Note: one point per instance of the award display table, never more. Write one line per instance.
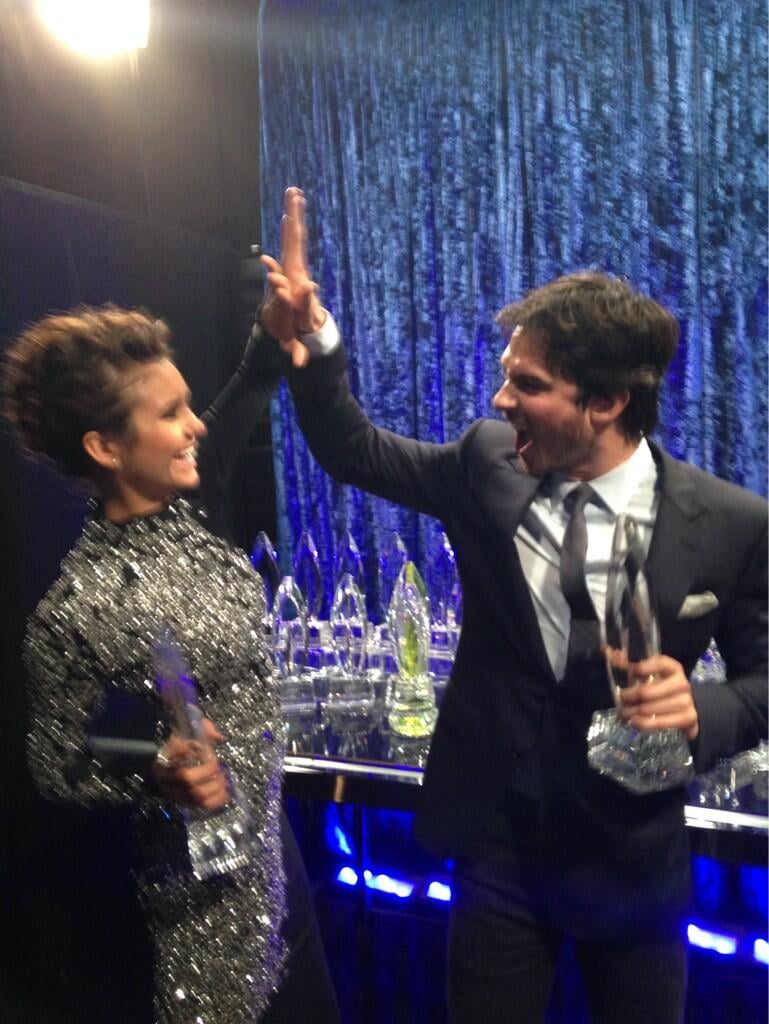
(351, 756)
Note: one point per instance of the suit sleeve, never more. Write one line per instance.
(419, 474)
(733, 716)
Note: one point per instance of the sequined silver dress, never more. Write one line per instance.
(218, 949)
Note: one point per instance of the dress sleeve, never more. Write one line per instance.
(68, 702)
(240, 405)
(231, 419)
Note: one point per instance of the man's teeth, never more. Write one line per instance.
(522, 439)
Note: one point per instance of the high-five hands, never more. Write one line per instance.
(291, 306)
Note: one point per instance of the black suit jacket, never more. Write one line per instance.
(709, 536)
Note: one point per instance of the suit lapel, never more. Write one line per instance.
(509, 494)
(671, 565)
(676, 540)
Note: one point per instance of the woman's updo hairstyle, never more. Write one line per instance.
(66, 375)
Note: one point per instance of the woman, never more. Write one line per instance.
(97, 393)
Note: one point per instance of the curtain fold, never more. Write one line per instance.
(457, 154)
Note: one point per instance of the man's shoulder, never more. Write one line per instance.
(712, 491)
(489, 438)
(487, 447)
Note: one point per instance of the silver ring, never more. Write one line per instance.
(162, 761)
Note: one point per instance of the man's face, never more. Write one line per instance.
(554, 432)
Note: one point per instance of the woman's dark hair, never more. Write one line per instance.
(605, 337)
(65, 375)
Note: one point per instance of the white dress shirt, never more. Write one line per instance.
(629, 488)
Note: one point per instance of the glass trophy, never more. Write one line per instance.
(265, 560)
(392, 557)
(289, 645)
(348, 682)
(737, 783)
(710, 667)
(641, 762)
(309, 580)
(348, 559)
(218, 842)
(413, 712)
(444, 578)
(455, 616)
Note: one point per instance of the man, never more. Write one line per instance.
(545, 846)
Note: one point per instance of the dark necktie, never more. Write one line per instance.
(585, 634)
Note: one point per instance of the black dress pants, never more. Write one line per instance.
(508, 921)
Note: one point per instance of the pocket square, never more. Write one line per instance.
(697, 605)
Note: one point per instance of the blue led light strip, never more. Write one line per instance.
(721, 942)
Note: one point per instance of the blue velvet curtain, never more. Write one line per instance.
(456, 153)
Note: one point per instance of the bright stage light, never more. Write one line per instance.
(386, 883)
(706, 938)
(98, 28)
(439, 891)
(347, 876)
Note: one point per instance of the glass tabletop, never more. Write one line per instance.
(353, 739)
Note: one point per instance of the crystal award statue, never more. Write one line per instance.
(218, 842)
(445, 579)
(413, 712)
(641, 762)
(265, 560)
(348, 559)
(309, 580)
(392, 557)
(289, 645)
(349, 684)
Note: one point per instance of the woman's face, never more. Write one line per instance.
(157, 454)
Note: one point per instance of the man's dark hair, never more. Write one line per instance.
(604, 336)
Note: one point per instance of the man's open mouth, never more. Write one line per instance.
(523, 440)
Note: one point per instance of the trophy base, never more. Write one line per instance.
(411, 751)
(349, 692)
(220, 842)
(413, 719)
(413, 724)
(413, 712)
(640, 762)
(297, 693)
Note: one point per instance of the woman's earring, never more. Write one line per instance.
(115, 462)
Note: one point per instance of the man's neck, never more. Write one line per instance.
(607, 457)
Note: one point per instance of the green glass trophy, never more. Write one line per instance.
(413, 712)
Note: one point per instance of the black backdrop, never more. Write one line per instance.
(60, 886)
(168, 141)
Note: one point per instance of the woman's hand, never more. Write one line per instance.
(188, 773)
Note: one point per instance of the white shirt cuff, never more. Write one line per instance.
(324, 341)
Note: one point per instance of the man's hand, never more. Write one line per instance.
(188, 773)
(659, 695)
(291, 306)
